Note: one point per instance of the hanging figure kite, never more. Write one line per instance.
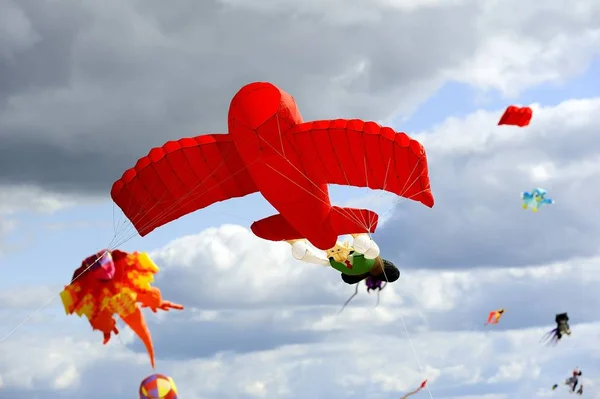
(423, 385)
(562, 328)
(535, 199)
(494, 317)
(270, 150)
(572, 382)
(357, 262)
(113, 283)
(516, 116)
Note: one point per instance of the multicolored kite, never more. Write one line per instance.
(158, 386)
(113, 283)
(535, 199)
(494, 317)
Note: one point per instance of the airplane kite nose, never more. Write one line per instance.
(255, 103)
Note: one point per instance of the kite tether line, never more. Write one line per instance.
(368, 228)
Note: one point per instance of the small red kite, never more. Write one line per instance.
(423, 384)
(516, 116)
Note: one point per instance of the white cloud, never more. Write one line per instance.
(513, 50)
(541, 43)
(309, 352)
(17, 31)
(259, 324)
(479, 169)
(249, 303)
(378, 201)
(515, 370)
(16, 200)
(31, 198)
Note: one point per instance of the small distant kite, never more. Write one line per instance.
(562, 328)
(535, 199)
(516, 116)
(494, 316)
(423, 384)
(572, 382)
(190, 174)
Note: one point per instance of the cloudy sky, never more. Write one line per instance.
(86, 88)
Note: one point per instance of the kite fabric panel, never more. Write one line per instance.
(516, 116)
(364, 154)
(179, 178)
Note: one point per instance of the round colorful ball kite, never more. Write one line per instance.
(158, 386)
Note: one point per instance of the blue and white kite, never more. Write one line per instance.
(535, 199)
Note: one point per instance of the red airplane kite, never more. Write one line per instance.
(271, 150)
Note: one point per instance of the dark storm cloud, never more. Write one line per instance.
(95, 86)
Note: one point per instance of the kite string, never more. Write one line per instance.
(366, 225)
(404, 189)
(183, 201)
(414, 353)
(408, 336)
(114, 242)
(24, 321)
(131, 229)
(126, 238)
(416, 356)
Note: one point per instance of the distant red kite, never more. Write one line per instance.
(516, 116)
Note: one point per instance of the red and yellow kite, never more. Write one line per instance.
(494, 316)
(113, 283)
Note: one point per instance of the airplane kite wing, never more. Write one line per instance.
(364, 154)
(179, 178)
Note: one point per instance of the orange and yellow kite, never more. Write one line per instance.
(113, 283)
(494, 316)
